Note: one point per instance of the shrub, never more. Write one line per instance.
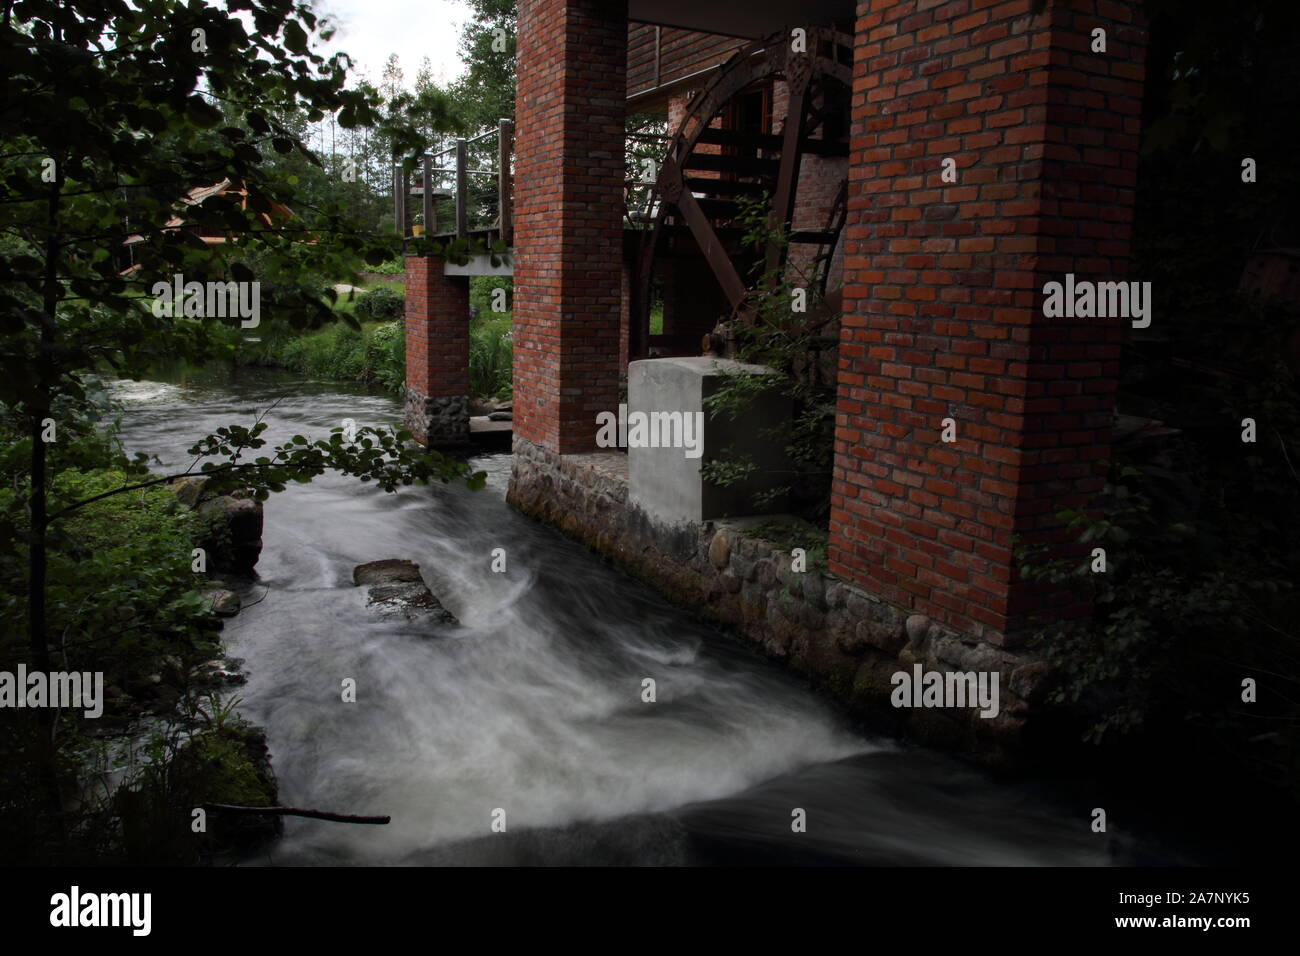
(380, 304)
(375, 355)
(480, 294)
(1198, 587)
(490, 357)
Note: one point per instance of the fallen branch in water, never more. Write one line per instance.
(295, 812)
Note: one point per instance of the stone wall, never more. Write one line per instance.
(437, 420)
(845, 640)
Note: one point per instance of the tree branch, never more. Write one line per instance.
(295, 812)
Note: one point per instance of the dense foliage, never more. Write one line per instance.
(113, 113)
(374, 354)
(1198, 525)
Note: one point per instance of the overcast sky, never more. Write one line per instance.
(369, 30)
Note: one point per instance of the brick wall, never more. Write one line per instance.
(437, 329)
(568, 212)
(943, 295)
(437, 352)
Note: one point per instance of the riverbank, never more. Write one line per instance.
(138, 585)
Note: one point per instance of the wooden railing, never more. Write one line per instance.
(432, 170)
(444, 177)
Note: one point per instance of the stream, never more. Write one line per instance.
(533, 705)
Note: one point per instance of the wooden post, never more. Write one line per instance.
(505, 146)
(655, 84)
(399, 220)
(462, 217)
(430, 217)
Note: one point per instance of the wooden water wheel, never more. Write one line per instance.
(715, 159)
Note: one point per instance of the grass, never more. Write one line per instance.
(491, 356)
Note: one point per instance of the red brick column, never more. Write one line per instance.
(437, 353)
(572, 57)
(943, 295)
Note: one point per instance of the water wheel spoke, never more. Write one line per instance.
(723, 153)
(791, 155)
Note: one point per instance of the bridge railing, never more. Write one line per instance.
(445, 176)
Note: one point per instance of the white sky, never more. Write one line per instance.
(369, 30)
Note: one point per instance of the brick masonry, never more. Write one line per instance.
(569, 171)
(943, 304)
(437, 353)
(942, 319)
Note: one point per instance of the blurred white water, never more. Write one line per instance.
(533, 704)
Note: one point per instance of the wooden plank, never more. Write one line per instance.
(735, 137)
(462, 205)
(714, 251)
(658, 54)
(743, 165)
(430, 217)
(724, 187)
(786, 181)
(720, 208)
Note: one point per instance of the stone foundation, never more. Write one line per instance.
(437, 420)
(844, 639)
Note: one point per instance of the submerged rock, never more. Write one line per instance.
(397, 587)
(388, 571)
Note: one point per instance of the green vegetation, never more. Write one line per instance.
(374, 354)
(795, 345)
(118, 568)
(1198, 526)
(121, 596)
(790, 533)
(181, 766)
(490, 351)
(380, 304)
(490, 357)
(393, 267)
(96, 564)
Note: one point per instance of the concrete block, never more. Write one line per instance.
(663, 481)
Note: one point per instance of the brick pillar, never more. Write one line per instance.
(572, 60)
(437, 354)
(944, 303)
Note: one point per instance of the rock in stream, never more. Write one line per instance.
(397, 587)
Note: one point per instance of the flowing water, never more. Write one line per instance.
(532, 706)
